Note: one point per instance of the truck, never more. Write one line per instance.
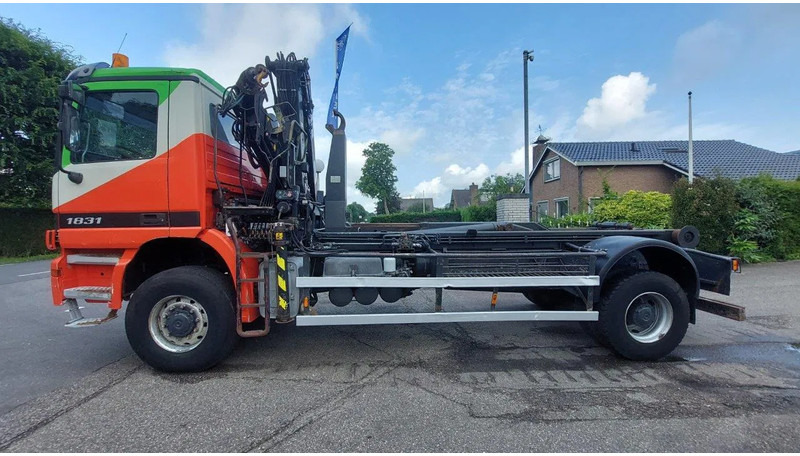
(199, 208)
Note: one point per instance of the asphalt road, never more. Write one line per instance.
(453, 387)
(37, 353)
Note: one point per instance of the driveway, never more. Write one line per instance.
(730, 386)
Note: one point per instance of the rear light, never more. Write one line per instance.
(51, 239)
(735, 266)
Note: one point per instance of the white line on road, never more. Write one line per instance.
(33, 273)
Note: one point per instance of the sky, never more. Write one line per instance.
(442, 84)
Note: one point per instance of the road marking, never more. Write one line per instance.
(33, 273)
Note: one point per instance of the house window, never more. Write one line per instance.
(552, 169)
(541, 209)
(562, 207)
(592, 202)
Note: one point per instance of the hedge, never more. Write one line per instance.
(412, 217)
(486, 213)
(642, 209)
(757, 218)
(777, 209)
(711, 206)
(22, 231)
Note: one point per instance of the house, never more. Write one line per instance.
(465, 197)
(417, 204)
(794, 152)
(568, 177)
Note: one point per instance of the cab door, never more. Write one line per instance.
(118, 145)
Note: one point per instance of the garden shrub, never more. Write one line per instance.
(710, 205)
(485, 213)
(22, 231)
(642, 209)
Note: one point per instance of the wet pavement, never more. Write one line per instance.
(730, 386)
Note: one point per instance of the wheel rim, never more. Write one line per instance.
(178, 324)
(648, 317)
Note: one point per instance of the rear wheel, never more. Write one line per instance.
(182, 319)
(643, 316)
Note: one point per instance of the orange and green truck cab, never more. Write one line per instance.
(142, 143)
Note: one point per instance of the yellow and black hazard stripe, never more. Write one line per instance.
(283, 290)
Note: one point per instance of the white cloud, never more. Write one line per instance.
(235, 37)
(704, 50)
(514, 164)
(622, 100)
(453, 177)
(544, 83)
(355, 161)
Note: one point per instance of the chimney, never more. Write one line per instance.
(540, 147)
(473, 194)
(633, 147)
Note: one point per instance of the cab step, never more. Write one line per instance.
(88, 293)
(77, 320)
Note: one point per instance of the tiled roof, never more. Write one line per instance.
(794, 152)
(460, 198)
(728, 157)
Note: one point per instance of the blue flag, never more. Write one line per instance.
(341, 45)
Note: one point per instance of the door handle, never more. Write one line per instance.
(153, 219)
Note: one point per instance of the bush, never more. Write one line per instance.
(711, 206)
(487, 213)
(756, 219)
(413, 217)
(642, 209)
(776, 208)
(22, 231)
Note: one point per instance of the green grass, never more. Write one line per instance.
(12, 260)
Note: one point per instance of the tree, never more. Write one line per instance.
(378, 178)
(31, 67)
(391, 206)
(495, 185)
(356, 213)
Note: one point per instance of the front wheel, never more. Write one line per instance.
(182, 319)
(643, 316)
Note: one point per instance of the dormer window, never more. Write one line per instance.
(552, 169)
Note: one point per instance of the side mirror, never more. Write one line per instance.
(72, 92)
(68, 118)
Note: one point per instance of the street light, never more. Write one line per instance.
(527, 56)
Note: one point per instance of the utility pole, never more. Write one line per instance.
(527, 56)
(691, 152)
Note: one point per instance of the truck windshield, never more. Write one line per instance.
(115, 126)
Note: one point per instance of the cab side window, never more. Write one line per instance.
(222, 127)
(116, 126)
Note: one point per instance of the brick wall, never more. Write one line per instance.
(650, 178)
(567, 186)
(512, 208)
(621, 179)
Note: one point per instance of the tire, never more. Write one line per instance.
(644, 316)
(198, 305)
(551, 299)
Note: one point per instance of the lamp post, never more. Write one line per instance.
(690, 151)
(527, 56)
